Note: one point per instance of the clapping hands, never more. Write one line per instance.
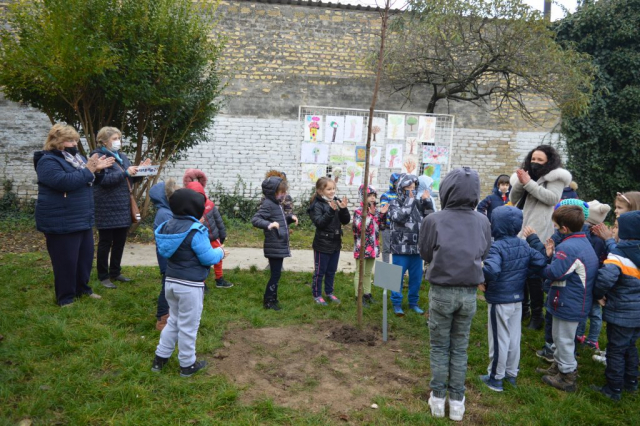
(97, 162)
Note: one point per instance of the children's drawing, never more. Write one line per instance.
(353, 129)
(393, 157)
(314, 153)
(435, 154)
(411, 147)
(313, 172)
(434, 172)
(336, 173)
(334, 129)
(410, 164)
(373, 176)
(353, 174)
(339, 154)
(361, 153)
(396, 127)
(374, 156)
(412, 120)
(312, 128)
(377, 130)
(427, 129)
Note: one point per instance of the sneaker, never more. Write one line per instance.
(107, 283)
(493, 384)
(222, 283)
(369, 299)
(546, 353)
(592, 345)
(436, 405)
(511, 380)
(614, 395)
(602, 358)
(273, 304)
(456, 410)
(320, 301)
(365, 302)
(95, 296)
(398, 310)
(158, 364)
(631, 387)
(333, 299)
(416, 309)
(581, 339)
(121, 278)
(192, 369)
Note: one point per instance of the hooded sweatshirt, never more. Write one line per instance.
(494, 200)
(159, 199)
(406, 214)
(455, 240)
(184, 240)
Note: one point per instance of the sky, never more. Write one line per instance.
(556, 11)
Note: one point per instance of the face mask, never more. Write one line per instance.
(408, 192)
(71, 150)
(116, 145)
(536, 168)
(327, 199)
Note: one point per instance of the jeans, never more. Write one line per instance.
(451, 310)
(271, 291)
(413, 263)
(622, 356)
(386, 244)
(595, 316)
(326, 265)
(110, 240)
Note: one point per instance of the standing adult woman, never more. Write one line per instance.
(113, 206)
(64, 210)
(536, 188)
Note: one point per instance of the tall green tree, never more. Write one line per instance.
(148, 67)
(603, 146)
(494, 53)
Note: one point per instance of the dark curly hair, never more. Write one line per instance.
(553, 160)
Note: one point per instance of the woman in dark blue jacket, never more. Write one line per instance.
(64, 210)
(113, 206)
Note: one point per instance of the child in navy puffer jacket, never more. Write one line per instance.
(506, 268)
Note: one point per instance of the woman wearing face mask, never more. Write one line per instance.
(536, 188)
(113, 206)
(64, 210)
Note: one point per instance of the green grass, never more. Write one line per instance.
(90, 363)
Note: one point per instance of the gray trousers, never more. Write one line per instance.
(564, 334)
(185, 310)
(504, 339)
(451, 310)
(386, 244)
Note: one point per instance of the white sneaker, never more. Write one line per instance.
(456, 410)
(436, 405)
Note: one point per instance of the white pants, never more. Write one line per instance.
(504, 339)
(185, 310)
(564, 335)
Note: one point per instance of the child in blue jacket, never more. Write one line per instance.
(184, 241)
(506, 268)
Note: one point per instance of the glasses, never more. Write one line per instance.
(621, 195)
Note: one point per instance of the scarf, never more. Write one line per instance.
(75, 160)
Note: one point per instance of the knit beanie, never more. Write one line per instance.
(575, 202)
(597, 212)
(187, 202)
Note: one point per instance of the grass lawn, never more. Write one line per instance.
(90, 363)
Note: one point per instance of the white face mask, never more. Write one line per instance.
(116, 145)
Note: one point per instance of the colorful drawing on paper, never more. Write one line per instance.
(412, 125)
(410, 164)
(361, 153)
(373, 176)
(339, 154)
(427, 129)
(435, 154)
(378, 127)
(412, 146)
(393, 156)
(312, 128)
(396, 127)
(374, 156)
(314, 153)
(336, 173)
(353, 173)
(353, 128)
(313, 172)
(434, 172)
(334, 129)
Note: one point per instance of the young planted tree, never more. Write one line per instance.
(148, 67)
(494, 54)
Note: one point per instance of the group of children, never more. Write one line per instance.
(585, 267)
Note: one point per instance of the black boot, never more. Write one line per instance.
(537, 302)
(526, 305)
(272, 304)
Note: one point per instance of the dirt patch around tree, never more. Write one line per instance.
(328, 365)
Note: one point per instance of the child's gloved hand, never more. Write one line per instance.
(273, 225)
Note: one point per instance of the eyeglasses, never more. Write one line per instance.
(620, 194)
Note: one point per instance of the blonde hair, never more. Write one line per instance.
(321, 184)
(105, 134)
(631, 199)
(59, 134)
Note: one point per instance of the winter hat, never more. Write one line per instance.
(275, 173)
(194, 174)
(370, 190)
(574, 202)
(629, 225)
(424, 183)
(597, 212)
(187, 202)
